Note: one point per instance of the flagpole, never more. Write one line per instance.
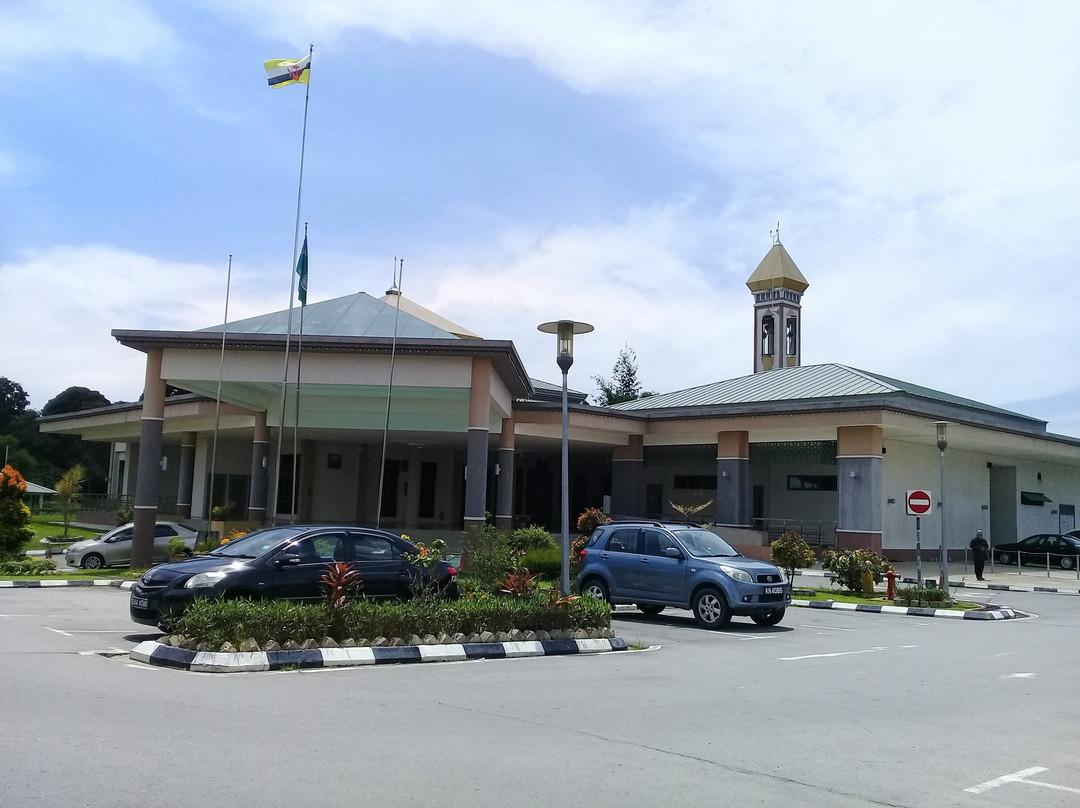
(217, 406)
(288, 328)
(299, 359)
(399, 270)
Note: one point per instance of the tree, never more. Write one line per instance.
(14, 514)
(623, 384)
(75, 399)
(68, 492)
(13, 402)
(791, 552)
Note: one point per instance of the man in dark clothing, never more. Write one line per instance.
(978, 553)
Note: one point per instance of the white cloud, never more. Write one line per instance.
(70, 298)
(111, 30)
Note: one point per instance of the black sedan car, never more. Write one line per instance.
(284, 563)
(1062, 551)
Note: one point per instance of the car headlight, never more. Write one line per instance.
(737, 574)
(204, 579)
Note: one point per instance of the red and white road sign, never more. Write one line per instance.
(919, 502)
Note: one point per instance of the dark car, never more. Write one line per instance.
(658, 564)
(1062, 551)
(284, 563)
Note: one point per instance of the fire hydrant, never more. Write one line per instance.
(891, 576)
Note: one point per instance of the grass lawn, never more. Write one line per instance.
(49, 525)
(78, 575)
(839, 596)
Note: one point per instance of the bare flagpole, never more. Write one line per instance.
(399, 270)
(292, 292)
(217, 405)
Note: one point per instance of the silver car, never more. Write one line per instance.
(113, 549)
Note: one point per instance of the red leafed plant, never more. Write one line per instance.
(556, 599)
(341, 582)
(521, 584)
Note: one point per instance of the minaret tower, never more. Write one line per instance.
(777, 285)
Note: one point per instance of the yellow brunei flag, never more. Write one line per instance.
(280, 72)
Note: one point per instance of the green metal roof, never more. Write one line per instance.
(358, 315)
(802, 383)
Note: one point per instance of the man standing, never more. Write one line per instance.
(979, 547)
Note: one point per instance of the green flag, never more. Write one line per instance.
(301, 270)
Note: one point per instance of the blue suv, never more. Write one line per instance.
(658, 564)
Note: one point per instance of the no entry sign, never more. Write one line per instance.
(919, 502)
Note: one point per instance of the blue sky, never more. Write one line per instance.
(616, 163)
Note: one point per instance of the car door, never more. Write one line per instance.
(162, 534)
(661, 577)
(301, 579)
(384, 573)
(1033, 550)
(622, 560)
(117, 548)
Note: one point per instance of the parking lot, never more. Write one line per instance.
(826, 709)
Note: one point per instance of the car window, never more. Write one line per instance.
(372, 548)
(321, 549)
(122, 535)
(623, 540)
(705, 544)
(1033, 544)
(164, 532)
(655, 542)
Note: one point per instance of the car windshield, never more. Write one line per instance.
(255, 544)
(703, 544)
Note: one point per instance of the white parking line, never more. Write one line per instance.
(58, 631)
(1020, 777)
(830, 628)
(837, 654)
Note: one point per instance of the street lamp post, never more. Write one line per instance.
(944, 554)
(565, 330)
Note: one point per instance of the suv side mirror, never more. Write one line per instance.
(673, 552)
(288, 559)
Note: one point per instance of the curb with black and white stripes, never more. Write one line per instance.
(45, 583)
(912, 611)
(1055, 590)
(154, 653)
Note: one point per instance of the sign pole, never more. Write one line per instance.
(918, 552)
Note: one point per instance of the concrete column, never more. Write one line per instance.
(734, 500)
(146, 485)
(187, 476)
(859, 486)
(260, 469)
(412, 490)
(504, 497)
(477, 447)
(628, 478)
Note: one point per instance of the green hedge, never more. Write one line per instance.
(27, 566)
(219, 621)
(544, 561)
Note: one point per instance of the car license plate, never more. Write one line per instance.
(139, 603)
(774, 590)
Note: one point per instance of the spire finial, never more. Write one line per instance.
(775, 234)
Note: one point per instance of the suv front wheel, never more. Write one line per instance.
(711, 608)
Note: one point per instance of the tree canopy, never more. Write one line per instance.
(623, 384)
(75, 399)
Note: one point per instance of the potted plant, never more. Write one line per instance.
(218, 516)
(177, 548)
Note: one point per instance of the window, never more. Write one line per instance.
(791, 337)
(372, 548)
(811, 482)
(768, 328)
(164, 532)
(654, 542)
(623, 541)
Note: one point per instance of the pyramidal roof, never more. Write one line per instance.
(777, 269)
(358, 315)
(427, 315)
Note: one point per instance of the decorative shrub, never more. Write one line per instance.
(341, 583)
(27, 566)
(929, 596)
(220, 621)
(545, 561)
(532, 537)
(491, 560)
(177, 546)
(124, 515)
(14, 514)
(791, 552)
(590, 520)
(850, 566)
